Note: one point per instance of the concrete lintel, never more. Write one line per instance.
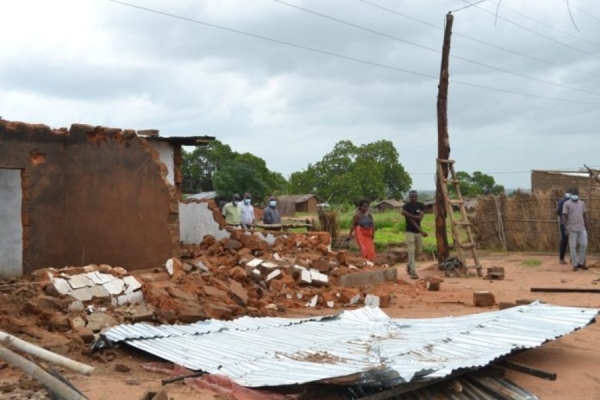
(370, 278)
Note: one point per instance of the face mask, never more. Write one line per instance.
(234, 202)
(574, 197)
(247, 201)
(272, 203)
(568, 195)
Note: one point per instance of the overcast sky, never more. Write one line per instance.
(103, 63)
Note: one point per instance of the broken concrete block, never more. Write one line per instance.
(131, 284)
(256, 273)
(269, 265)
(82, 294)
(370, 278)
(372, 300)
(271, 306)
(277, 257)
(313, 301)
(115, 287)
(299, 268)
(142, 313)
(76, 306)
(483, 298)
(79, 281)
(76, 322)
(305, 277)
(330, 303)
(273, 275)
(318, 279)
(299, 296)
(254, 263)
(61, 285)
(99, 291)
(131, 298)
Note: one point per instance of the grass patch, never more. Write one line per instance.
(531, 262)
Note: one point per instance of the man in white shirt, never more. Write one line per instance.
(575, 221)
(247, 211)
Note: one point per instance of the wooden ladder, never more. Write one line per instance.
(464, 221)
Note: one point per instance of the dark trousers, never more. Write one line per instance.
(564, 242)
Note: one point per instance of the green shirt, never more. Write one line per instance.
(232, 214)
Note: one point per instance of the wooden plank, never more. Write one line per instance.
(539, 373)
(564, 290)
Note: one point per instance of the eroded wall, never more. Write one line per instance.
(11, 228)
(91, 195)
(197, 220)
(166, 155)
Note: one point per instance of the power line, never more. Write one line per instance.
(434, 50)
(536, 33)
(548, 25)
(479, 40)
(575, 169)
(348, 58)
(586, 13)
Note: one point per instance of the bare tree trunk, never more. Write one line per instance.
(443, 145)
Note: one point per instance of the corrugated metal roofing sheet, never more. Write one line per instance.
(377, 350)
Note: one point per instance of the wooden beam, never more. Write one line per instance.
(564, 290)
(539, 373)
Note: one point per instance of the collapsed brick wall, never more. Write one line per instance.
(91, 195)
(543, 181)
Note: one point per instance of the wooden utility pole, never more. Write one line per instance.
(443, 145)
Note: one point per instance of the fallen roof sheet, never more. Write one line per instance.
(359, 347)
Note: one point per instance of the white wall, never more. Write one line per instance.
(195, 221)
(167, 157)
(11, 227)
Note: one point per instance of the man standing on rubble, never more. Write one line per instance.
(564, 238)
(247, 212)
(233, 212)
(575, 221)
(413, 214)
(270, 213)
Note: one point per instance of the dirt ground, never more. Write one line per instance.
(575, 358)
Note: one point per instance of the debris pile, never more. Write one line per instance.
(93, 281)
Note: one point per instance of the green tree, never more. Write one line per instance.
(238, 177)
(476, 184)
(350, 172)
(200, 165)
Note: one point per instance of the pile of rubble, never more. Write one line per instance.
(252, 274)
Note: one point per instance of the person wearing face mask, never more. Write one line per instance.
(247, 212)
(575, 221)
(233, 212)
(564, 239)
(270, 213)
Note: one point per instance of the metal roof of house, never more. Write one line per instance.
(203, 195)
(393, 203)
(362, 347)
(181, 140)
(295, 198)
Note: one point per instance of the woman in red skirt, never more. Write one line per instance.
(363, 227)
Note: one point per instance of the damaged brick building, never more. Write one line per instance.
(90, 195)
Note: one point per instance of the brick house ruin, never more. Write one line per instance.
(558, 180)
(93, 195)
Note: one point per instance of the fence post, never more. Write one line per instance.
(501, 234)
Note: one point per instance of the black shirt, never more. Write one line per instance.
(561, 203)
(413, 209)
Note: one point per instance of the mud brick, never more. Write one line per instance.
(238, 293)
(483, 298)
